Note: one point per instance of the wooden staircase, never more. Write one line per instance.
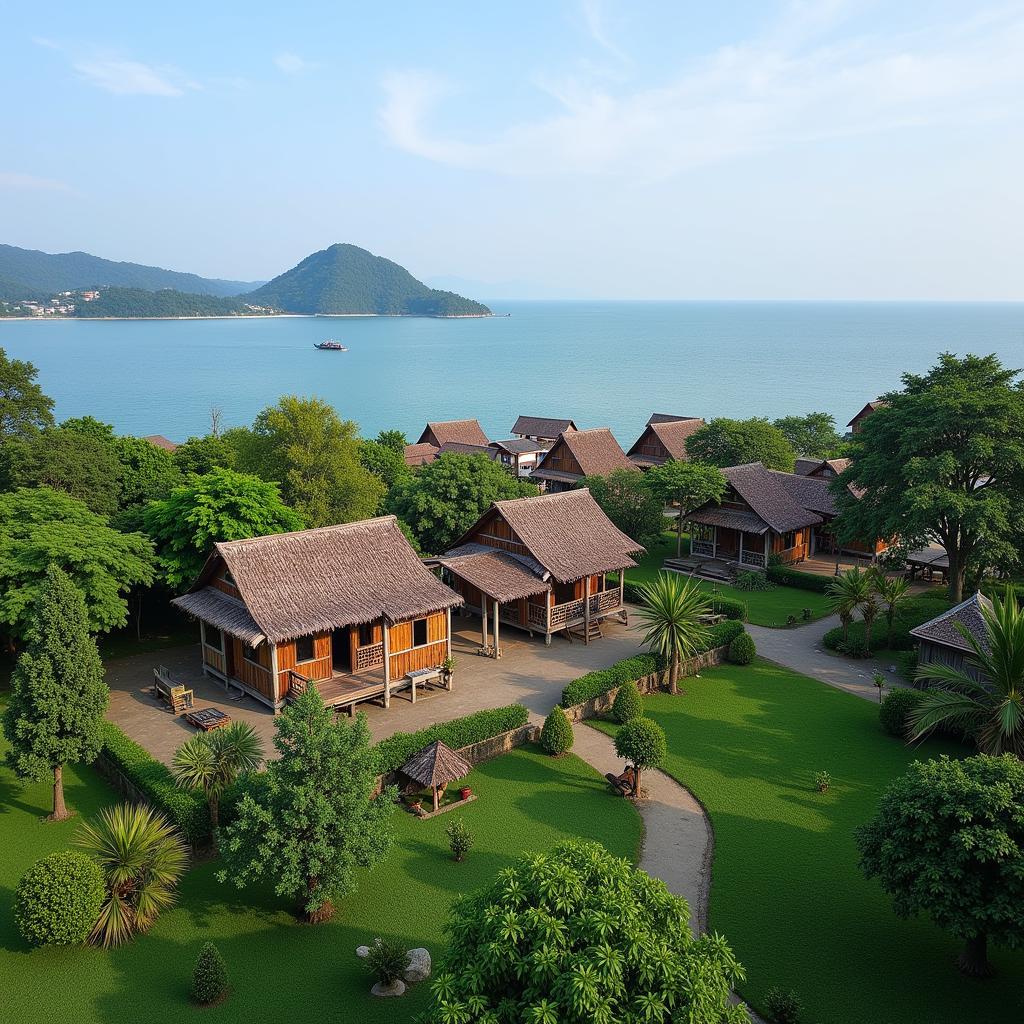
(581, 633)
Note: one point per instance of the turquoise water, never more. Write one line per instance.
(599, 363)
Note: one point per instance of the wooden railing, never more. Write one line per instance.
(537, 615)
(297, 683)
(604, 602)
(370, 656)
(563, 613)
(753, 558)
(702, 547)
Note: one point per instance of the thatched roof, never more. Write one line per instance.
(159, 441)
(868, 410)
(436, 765)
(312, 581)
(418, 454)
(596, 451)
(224, 612)
(501, 575)
(968, 614)
(463, 431)
(519, 445)
(667, 417)
(541, 426)
(458, 448)
(672, 434)
(728, 518)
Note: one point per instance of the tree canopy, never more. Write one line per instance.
(726, 442)
(24, 408)
(629, 502)
(446, 497)
(220, 505)
(813, 435)
(687, 485)
(42, 527)
(384, 457)
(943, 458)
(199, 455)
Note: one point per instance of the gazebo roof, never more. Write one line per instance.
(436, 765)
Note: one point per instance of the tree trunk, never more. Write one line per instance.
(679, 532)
(673, 673)
(973, 961)
(867, 637)
(636, 775)
(324, 912)
(214, 802)
(957, 571)
(60, 811)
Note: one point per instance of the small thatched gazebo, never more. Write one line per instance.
(435, 766)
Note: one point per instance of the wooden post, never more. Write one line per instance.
(451, 675)
(586, 610)
(387, 661)
(622, 588)
(547, 617)
(741, 546)
(434, 788)
(483, 621)
(767, 541)
(276, 687)
(497, 637)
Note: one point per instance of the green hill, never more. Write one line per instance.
(43, 273)
(137, 302)
(347, 279)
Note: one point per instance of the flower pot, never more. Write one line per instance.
(465, 792)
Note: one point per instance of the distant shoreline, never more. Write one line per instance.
(263, 316)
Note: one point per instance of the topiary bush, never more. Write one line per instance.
(210, 976)
(892, 715)
(628, 703)
(742, 649)
(730, 607)
(460, 839)
(556, 737)
(642, 743)
(58, 899)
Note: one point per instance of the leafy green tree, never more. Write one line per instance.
(210, 976)
(948, 841)
(41, 527)
(314, 821)
(142, 858)
(814, 435)
(629, 502)
(943, 458)
(725, 442)
(383, 459)
(24, 408)
(220, 505)
(201, 455)
(148, 473)
(89, 426)
(447, 496)
(55, 713)
(847, 594)
(688, 485)
(314, 455)
(642, 743)
(670, 614)
(211, 761)
(575, 934)
(992, 711)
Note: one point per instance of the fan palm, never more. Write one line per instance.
(869, 612)
(211, 761)
(670, 613)
(993, 710)
(893, 591)
(142, 857)
(846, 594)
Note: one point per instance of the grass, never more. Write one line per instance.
(764, 607)
(280, 969)
(786, 890)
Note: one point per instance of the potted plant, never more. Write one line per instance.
(413, 801)
(466, 792)
(447, 671)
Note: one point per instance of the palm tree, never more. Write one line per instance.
(993, 711)
(211, 761)
(894, 594)
(869, 612)
(846, 593)
(670, 612)
(142, 856)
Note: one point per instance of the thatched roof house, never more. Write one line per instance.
(458, 431)
(580, 453)
(420, 454)
(541, 428)
(159, 441)
(664, 440)
(436, 766)
(941, 639)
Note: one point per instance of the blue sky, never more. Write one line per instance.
(832, 149)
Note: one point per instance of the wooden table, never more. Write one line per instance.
(208, 719)
(421, 676)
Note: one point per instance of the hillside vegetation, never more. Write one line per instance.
(137, 302)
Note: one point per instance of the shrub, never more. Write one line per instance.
(913, 613)
(752, 581)
(556, 737)
(742, 649)
(642, 743)
(387, 960)
(730, 607)
(892, 714)
(822, 780)
(210, 976)
(723, 633)
(787, 577)
(58, 900)
(460, 839)
(783, 1007)
(628, 703)
(394, 751)
(593, 684)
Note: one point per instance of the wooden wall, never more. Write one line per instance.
(219, 583)
(256, 676)
(648, 445)
(213, 658)
(319, 668)
(405, 658)
(561, 459)
(800, 550)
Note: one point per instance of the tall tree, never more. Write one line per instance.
(948, 841)
(314, 820)
(148, 473)
(24, 408)
(55, 713)
(630, 502)
(687, 485)
(41, 527)
(447, 496)
(384, 457)
(847, 594)
(303, 444)
(725, 442)
(670, 613)
(199, 455)
(220, 505)
(813, 435)
(943, 459)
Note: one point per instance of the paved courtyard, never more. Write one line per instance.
(528, 673)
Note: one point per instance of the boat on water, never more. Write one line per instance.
(331, 346)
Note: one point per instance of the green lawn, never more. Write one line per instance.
(280, 969)
(764, 607)
(786, 890)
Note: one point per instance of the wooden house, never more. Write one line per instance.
(420, 454)
(941, 641)
(541, 564)
(456, 431)
(519, 455)
(350, 608)
(663, 440)
(857, 423)
(541, 428)
(580, 453)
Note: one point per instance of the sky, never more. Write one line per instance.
(838, 149)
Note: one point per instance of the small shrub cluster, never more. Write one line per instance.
(914, 612)
(387, 960)
(783, 1007)
(628, 703)
(822, 780)
(892, 714)
(58, 899)
(210, 976)
(784, 576)
(730, 607)
(186, 810)
(723, 633)
(394, 751)
(752, 581)
(742, 649)
(593, 684)
(556, 737)
(460, 839)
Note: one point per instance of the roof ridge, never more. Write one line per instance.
(335, 527)
(548, 496)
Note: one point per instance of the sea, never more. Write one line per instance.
(598, 363)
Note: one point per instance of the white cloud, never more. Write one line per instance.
(133, 78)
(792, 85)
(13, 179)
(595, 18)
(293, 64)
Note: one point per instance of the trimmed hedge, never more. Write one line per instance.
(916, 611)
(722, 634)
(186, 810)
(783, 575)
(593, 684)
(742, 649)
(394, 751)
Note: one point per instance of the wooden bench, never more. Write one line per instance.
(208, 719)
(167, 688)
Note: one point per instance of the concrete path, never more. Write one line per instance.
(802, 650)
